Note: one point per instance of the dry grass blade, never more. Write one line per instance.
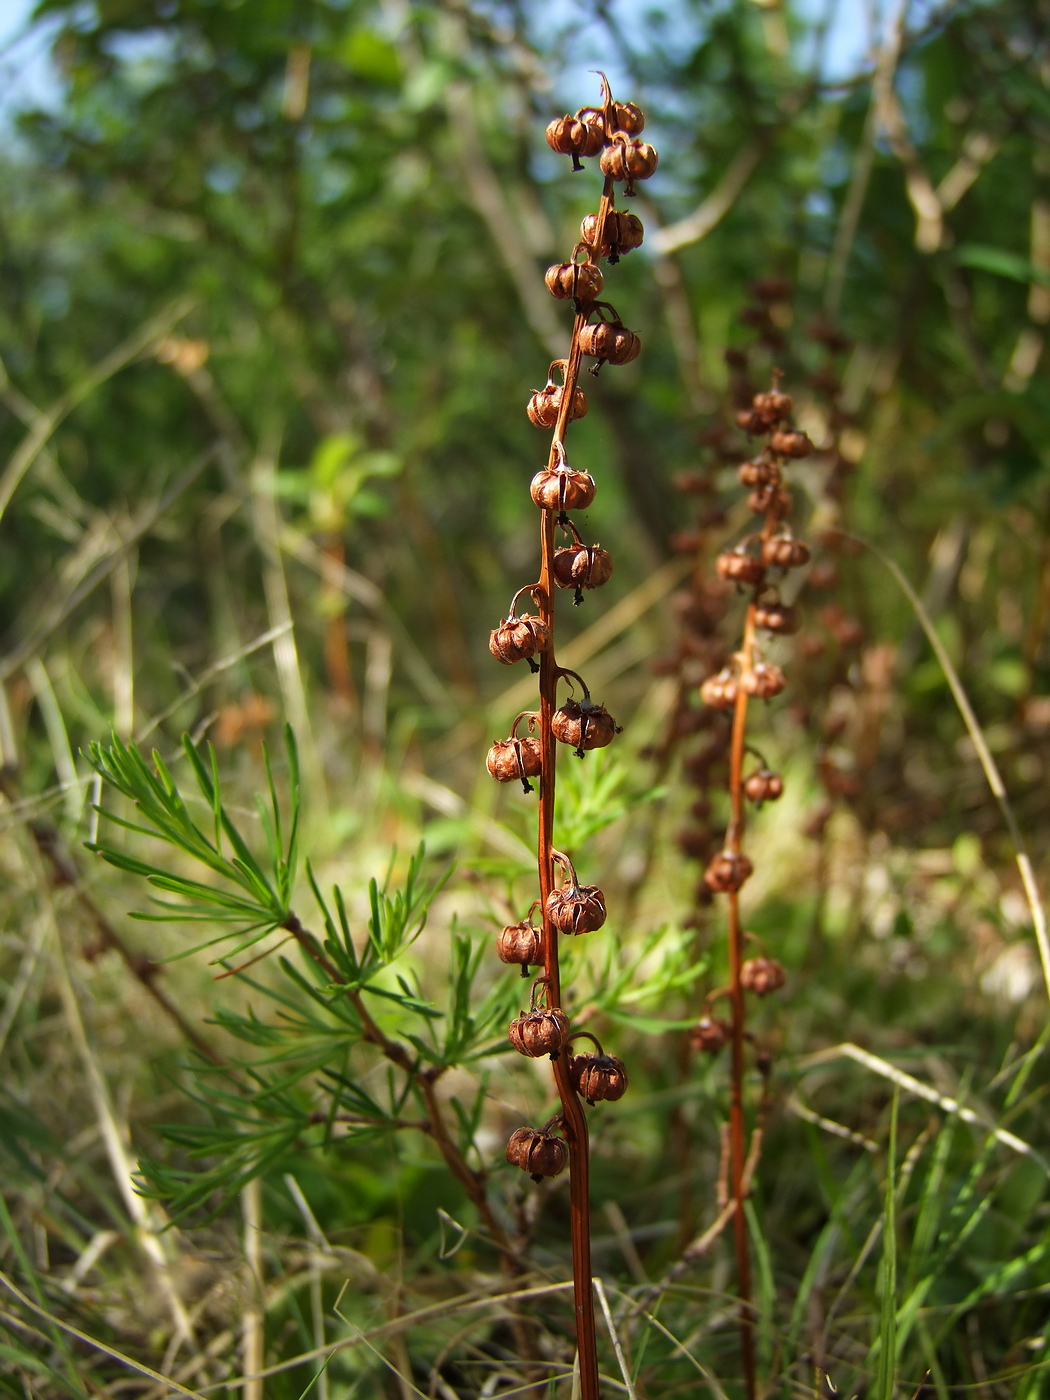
(170, 1387)
(923, 1091)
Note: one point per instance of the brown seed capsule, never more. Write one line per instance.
(562, 489)
(823, 574)
(772, 407)
(542, 1032)
(519, 639)
(520, 945)
(763, 786)
(584, 725)
(710, 1034)
(848, 631)
(539, 1153)
(628, 161)
(607, 341)
(628, 118)
(785, 552)
(570, 136)
(511, 760)
(719, 691)
(694, 483)
(622, 233)
(777, 617)
(763, 680)
(727, 871)
(598, 1077)
(686, 541)
(752, 474)
(574, 281)
(738, 566)
(789, 443)
(576, 908)
(545, 404)
(582, 566)
(762, 976)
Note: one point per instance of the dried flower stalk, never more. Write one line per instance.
(610, 132)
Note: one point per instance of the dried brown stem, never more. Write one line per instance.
(574, 1119)
(737, 1121)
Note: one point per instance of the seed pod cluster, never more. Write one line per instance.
(612, 133)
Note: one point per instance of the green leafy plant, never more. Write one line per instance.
(302, 1085)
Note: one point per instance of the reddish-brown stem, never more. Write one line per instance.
(737, 1122)
(574, 1120)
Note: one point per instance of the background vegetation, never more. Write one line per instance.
(271, 306)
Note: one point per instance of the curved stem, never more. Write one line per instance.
(575, 675)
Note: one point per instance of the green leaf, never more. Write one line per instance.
(1001, 262)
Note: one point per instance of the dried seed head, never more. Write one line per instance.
(751, 422)
(823, 574)
(537, 1152)
(574, 281)
(763, 786)
(847, 631)
(628, 161)
(576, 908)
(762, 976)
(628, 118)
(789, 443)
(785, 552)
(519, 639)
(584, 725)
(738, 566)
(576, 137)
(709, 1034)
(751, 474)
(582, 566)
(772, 407)
(562, 489)
(727, 871)
(545, 404)
(763, 680)
(511, 760)
(694, 483)
(777, 617)
(606, 340)
(622, 233)
(542, 1032)
(598, 1077)
(686, 541)
(520, 945)
(720, 691)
